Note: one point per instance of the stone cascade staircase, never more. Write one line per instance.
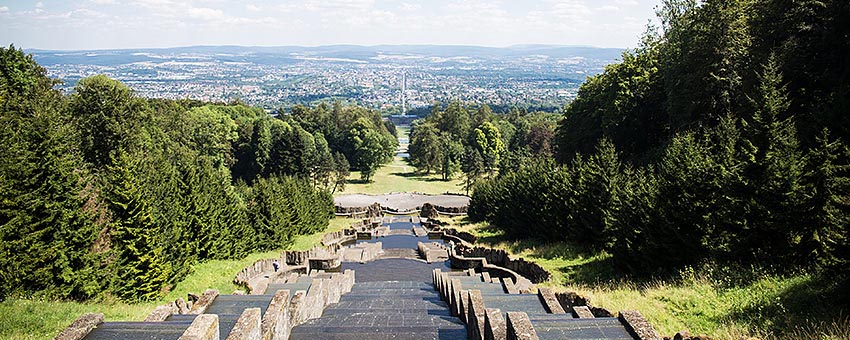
(313, 293)
(385, 310)
(493, 309)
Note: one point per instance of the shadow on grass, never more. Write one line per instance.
(357, 181)
(578, 265)
(808, 306)
(417, 177)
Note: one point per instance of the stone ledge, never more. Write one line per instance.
(494, 325)
(205, 300)
(638, 326)
(519, 327)
(275, 322)
(582, 312)
(81, 327)
(247, 326)
(205, 327)
(476, 314)
(550, 302)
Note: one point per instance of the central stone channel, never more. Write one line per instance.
(392, 298)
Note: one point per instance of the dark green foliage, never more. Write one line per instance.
(46, 224)
(103, 192)
(719, 120)
(280, 208)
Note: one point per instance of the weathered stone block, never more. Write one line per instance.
(463, 308)
(476, 314)
(519, 327)
(205, 327)
(298, 308)
(582, 312)
(509, 286)
(638, 326)
(550, 302)
(454, 296)
(494, 325)
(485, 276)
(80, 327)
(248, 326)
(204, 301)
(160, 313)
(275, 323)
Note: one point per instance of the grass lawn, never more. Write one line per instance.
(713, 301)
(42, 319)
(399, 176)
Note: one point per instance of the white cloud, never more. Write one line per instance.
(608, 8)
(39, 5)
(408, 7)
(103, 2)
(252, 8)
(204, 13)
(4, 9)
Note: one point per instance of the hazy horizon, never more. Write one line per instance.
(149, 24)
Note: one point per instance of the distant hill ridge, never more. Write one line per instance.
(289, 54)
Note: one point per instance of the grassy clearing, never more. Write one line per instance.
(43, 319)
(725, 303)
(399, 176)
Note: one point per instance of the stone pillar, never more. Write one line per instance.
(81, 327)
(160, 313)
(201, 306)
(476, 314)
(205, 327)
(297, 308)
(248, 326)
(550, 301)
(519, 327)
(275, 324)
(638, 326)
(494, 325)
(582, 312)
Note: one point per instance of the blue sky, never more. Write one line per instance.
(101, 24)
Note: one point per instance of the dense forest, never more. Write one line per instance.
(106, 193)
(721, 138)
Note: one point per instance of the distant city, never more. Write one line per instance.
(533, 76)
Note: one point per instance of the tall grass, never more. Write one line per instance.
(724, 302)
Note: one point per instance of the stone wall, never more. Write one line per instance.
(501, 258)
(374, 210)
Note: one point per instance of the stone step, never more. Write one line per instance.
(442, 334)
(139, 330)
(587, 329)
(389, 297)
(427, 310)
(393, 291)
(392, 284)
(529, 303)
(236, 304)
(372, 323)
(293, 287)
(390, 304)
(549, 317)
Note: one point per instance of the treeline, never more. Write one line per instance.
(722, 138)
(476, 142)
(106, 193)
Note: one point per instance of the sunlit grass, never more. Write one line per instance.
(399, 176)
